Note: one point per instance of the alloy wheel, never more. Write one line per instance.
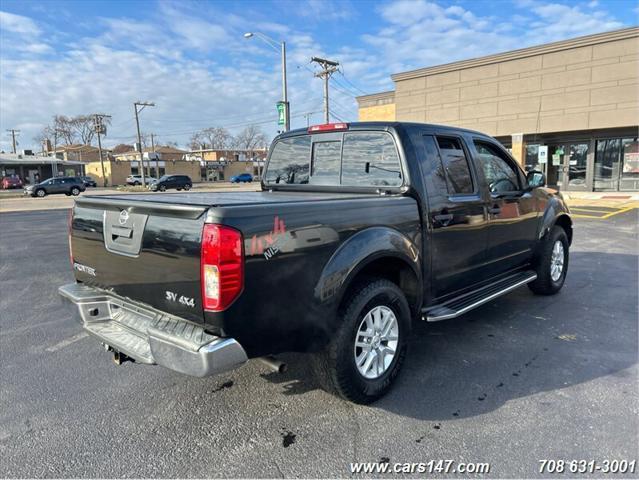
(376, 342)
(557, 261)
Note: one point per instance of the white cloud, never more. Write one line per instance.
(423, 33)
(18, 24)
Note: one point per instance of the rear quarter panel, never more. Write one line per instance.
(286, 304)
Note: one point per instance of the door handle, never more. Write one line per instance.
(443, 218)
(494, 210)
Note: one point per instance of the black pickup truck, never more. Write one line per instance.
(359, 230)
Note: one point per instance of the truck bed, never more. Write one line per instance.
(228, 199)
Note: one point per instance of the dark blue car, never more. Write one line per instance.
(242, 177)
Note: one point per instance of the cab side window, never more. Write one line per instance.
(456, 165)
(501, 175)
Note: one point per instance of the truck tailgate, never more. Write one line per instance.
(142, 250)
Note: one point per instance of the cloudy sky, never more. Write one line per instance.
(191, 59)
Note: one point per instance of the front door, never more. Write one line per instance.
(566, 166)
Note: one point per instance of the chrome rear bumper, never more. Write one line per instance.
(152, 337)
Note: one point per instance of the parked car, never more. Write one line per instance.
(67, 185)
(393, 223)
(179, 182)
(11, 182)
(134, 180)
(89, 181)
(242, 178)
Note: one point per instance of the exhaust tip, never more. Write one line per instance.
(274, 364)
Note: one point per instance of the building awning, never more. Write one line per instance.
(16, 159)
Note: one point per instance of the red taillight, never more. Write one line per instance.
(328, 127)
(221, 266)
(70, 230)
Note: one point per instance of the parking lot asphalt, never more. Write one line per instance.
(519, 380)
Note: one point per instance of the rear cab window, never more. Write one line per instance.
(453, 156)
(358, 159)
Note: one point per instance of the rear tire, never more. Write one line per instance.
(552, 263)
(373, 323)
(187, 187)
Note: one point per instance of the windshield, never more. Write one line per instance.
(362, 159)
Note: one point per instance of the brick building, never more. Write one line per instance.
(568, 108)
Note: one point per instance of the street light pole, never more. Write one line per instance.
(137, 123)
(282, 48)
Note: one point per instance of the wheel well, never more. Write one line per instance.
(564, 222)
(397, 271)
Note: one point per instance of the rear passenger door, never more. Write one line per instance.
(512, 214)
(59, 185)
(457, 215)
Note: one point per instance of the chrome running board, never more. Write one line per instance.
(464, 303)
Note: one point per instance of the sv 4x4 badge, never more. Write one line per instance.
(173, 297)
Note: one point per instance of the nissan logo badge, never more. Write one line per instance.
(124, 217)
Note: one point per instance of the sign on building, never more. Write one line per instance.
(542, 154)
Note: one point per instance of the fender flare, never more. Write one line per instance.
(555, 210)
(357, 252)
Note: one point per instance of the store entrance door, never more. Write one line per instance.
(567, 165)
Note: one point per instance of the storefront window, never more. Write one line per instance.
(617, 164)
(630, 164)
(532, 158)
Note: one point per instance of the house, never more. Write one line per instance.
(218, 164)
(78, 152)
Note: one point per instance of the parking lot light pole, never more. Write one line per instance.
(281, 47)
(137, 122)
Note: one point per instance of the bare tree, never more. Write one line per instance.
(217, 138)
(70, 130)
(251, 138)
(47, 133)
(64, 130)
(84, 127)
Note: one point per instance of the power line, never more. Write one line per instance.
(341, 72)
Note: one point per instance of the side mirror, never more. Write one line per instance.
(535, 179)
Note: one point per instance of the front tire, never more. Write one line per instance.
(552, 263)
(162, 188)
(75, 191)
(368, 347)
(40, 193)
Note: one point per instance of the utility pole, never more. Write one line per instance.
(157, 163)
(329, 67)
(137, 122)
(13, 138)
(100, 128)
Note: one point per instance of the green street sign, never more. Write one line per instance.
(281, 111)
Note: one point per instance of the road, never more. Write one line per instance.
(11, 201)
(521, 379)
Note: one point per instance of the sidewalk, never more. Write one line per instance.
(619, 200)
